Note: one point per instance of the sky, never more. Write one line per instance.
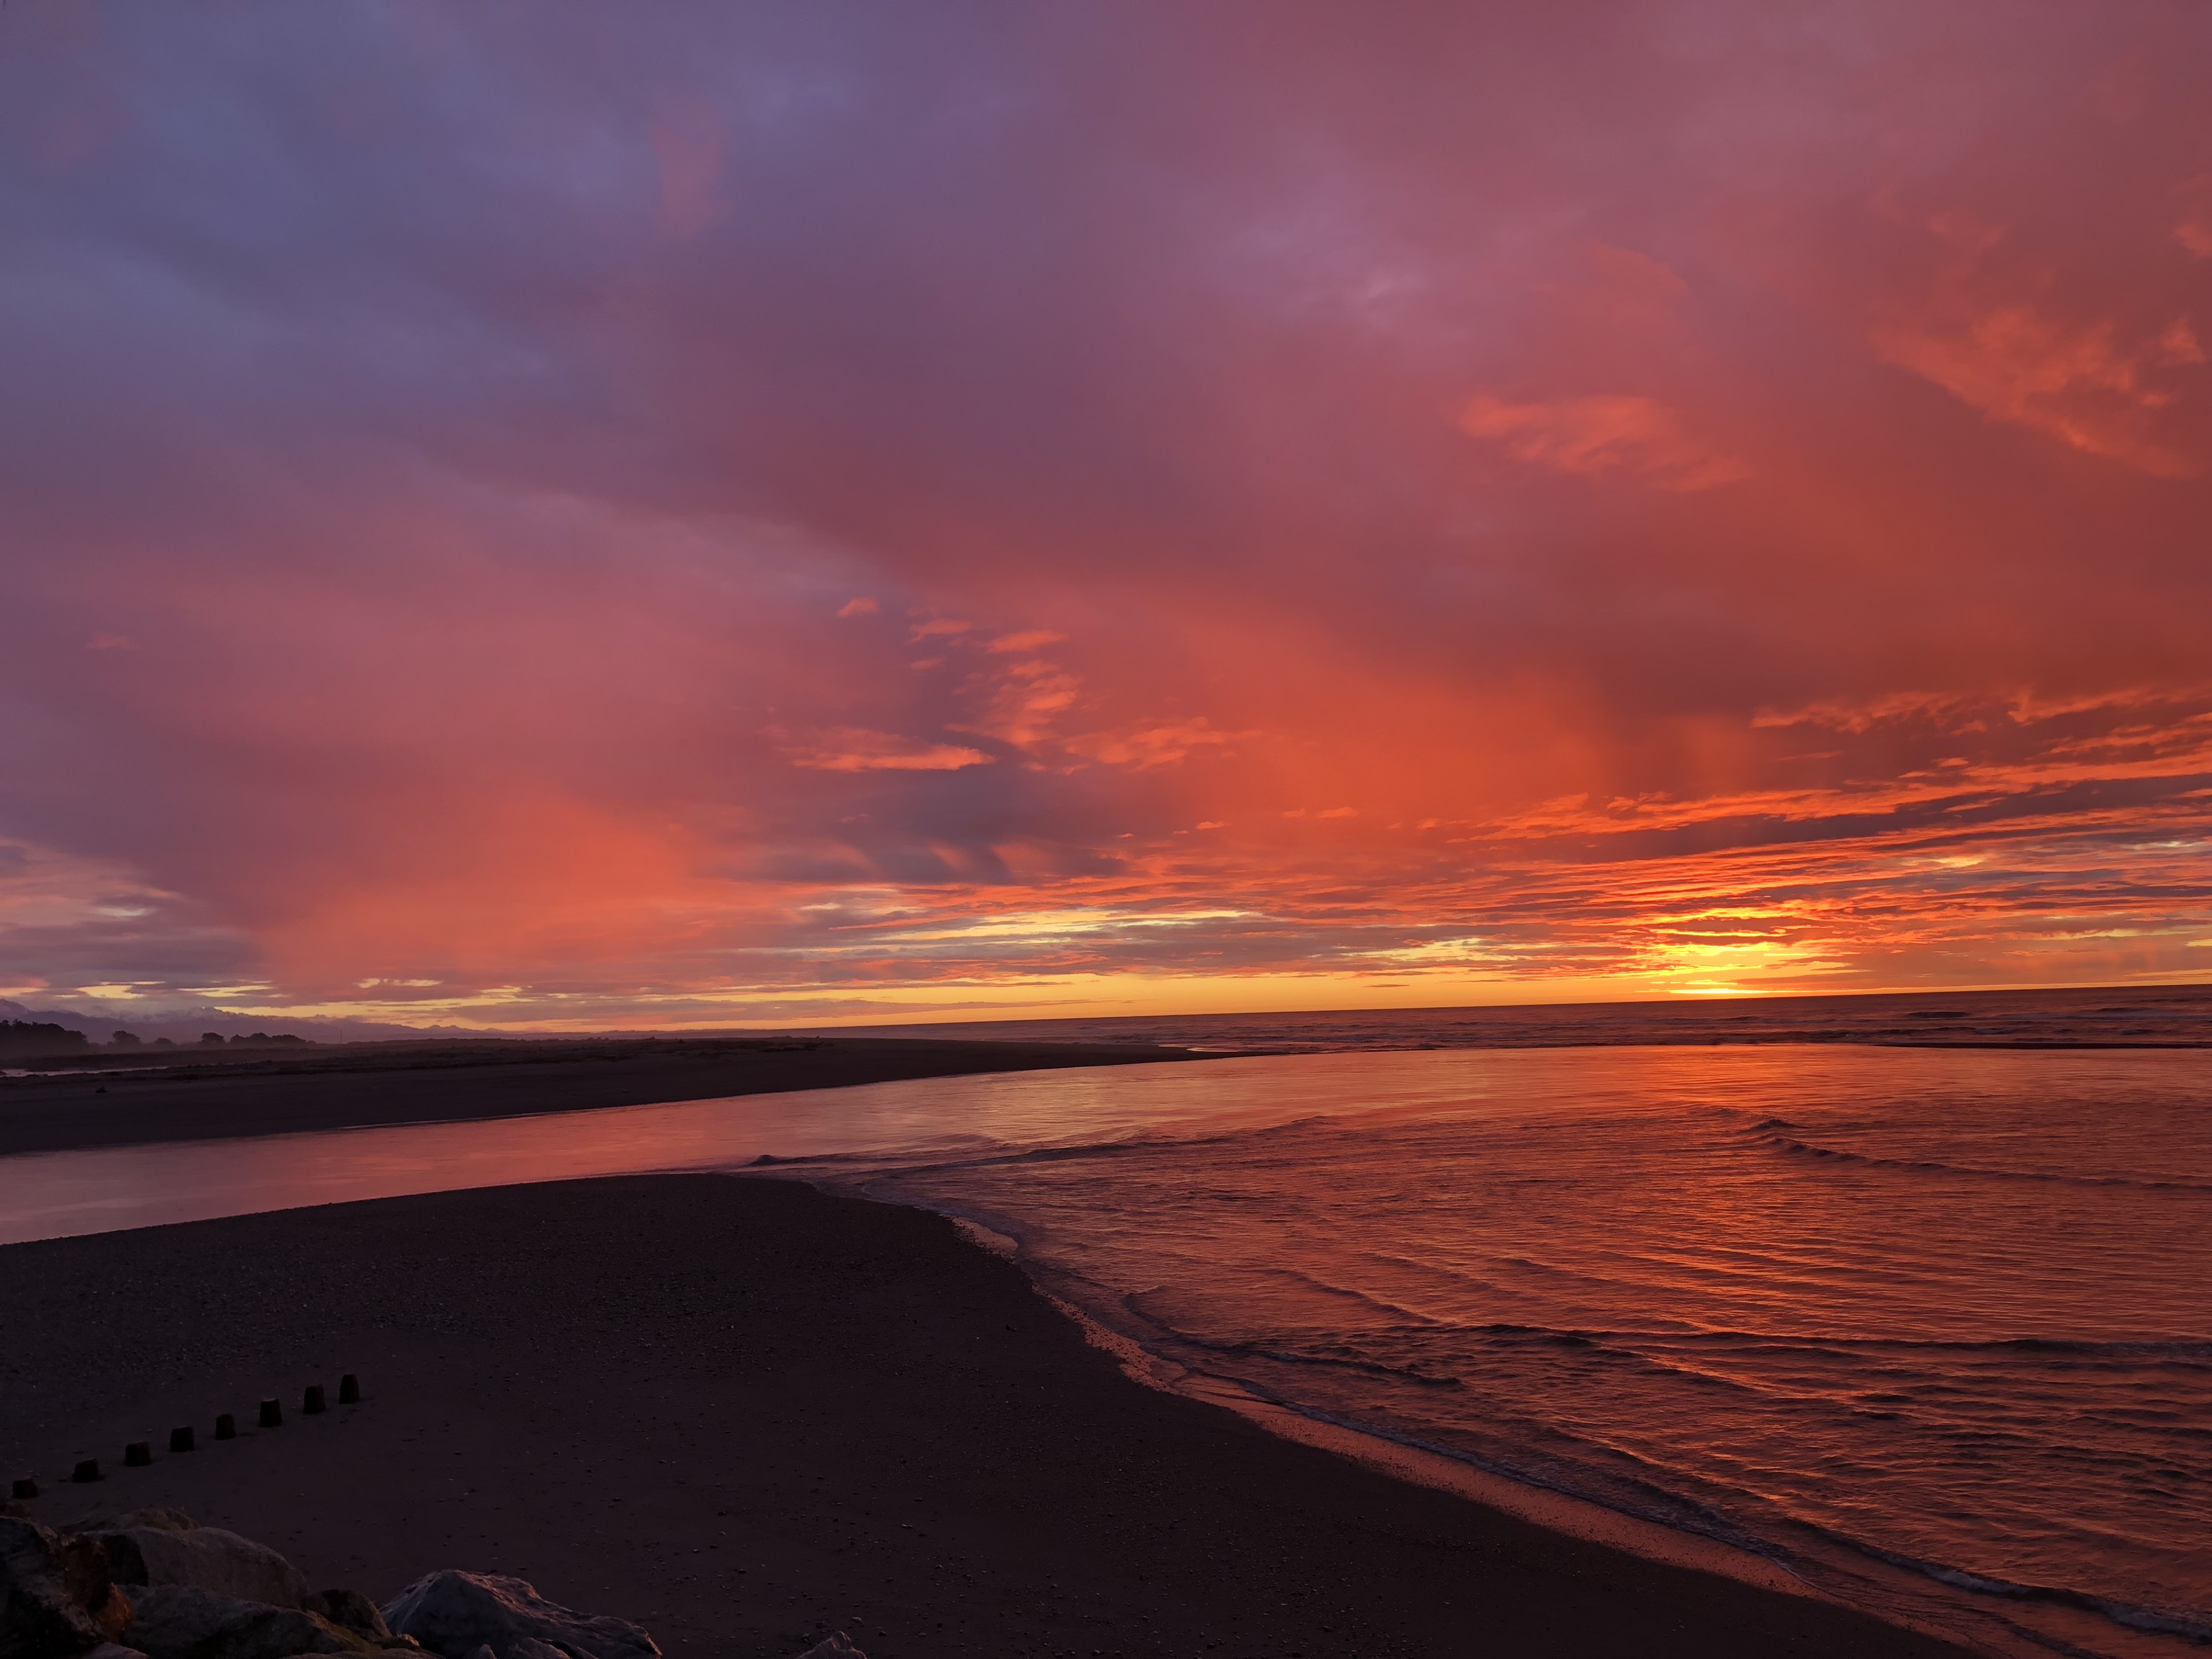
(556, 515)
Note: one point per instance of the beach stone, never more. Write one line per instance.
(350, 1610)
(156, 1517)
(56, 1600)
(188, 1621)
(839, 1646)
(207, 1557)
(454, 1613)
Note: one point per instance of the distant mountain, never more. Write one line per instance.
(100, 1021)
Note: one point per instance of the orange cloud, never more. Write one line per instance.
(850, 748)
(489, 594)
(1030, 640)
(1636, 437)
(1146, 745)
(1986, 335)
(1021, 701)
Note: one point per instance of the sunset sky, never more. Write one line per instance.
(588, 515)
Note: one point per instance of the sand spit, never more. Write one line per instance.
(355, 1085)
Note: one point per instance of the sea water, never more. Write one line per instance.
(1920, 1320)
(1930, 1330)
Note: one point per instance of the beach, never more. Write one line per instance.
(742, 1412)
(220, 1094)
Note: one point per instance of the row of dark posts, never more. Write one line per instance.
(140, 1453)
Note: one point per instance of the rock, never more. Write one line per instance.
(348, 1609)
(523, 1647)
(188, 1621)
(837, 1647)
(454, 1613)
(56, 1600)
(111, 1650)
(207, 1557)
(155, 1516)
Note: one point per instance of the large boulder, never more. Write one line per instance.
(152, 1515)
(454, 1613)
(839, 1646)
(56, 1600)
(206, 1557)
(348, 1609)
(186, 1621)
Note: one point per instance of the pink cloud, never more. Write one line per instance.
(1030, 640)
(489, 518)
(850, 748)
(1636, 437)
(1987, 334)
(1020, 703)
(687, 141)
(1144, 746)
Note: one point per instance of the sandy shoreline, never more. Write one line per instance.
(745, 1411)
(225, 1096)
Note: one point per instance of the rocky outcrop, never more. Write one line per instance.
(186, 1621)
(56, 1600)
(454, 1613)
(837, 1647)
(348, 1609)
(153, 1585)
(207, 1557)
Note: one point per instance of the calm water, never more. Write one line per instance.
(1929, 1326)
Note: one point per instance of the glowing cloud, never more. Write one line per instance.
(719, 515)
(1636, 437)
(847, 749)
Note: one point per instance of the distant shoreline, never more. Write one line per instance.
(212, 1096)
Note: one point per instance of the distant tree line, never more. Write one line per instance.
(29, 1037)
(44, 1038)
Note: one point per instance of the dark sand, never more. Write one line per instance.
(192, 1095)
(742, 1413)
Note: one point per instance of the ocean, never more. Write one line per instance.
(2145, 1016)
(1907, 1295)
(1927, 1330)
(1917, 1315)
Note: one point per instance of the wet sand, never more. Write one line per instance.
(192, 1095)
(742, 1412)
